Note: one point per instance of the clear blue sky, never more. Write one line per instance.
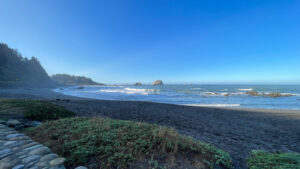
(124, 41)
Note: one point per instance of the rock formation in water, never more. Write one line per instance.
(138, 84)
(157, 82)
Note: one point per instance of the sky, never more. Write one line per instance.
(177, 41)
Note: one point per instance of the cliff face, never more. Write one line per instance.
(66, 79)
(17, 71)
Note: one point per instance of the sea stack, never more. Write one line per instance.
(138, 84)
(157, 82)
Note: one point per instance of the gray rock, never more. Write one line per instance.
(40, 151)
(19, 138)
(32, 124)
(9, 142)
(33, 147)
(42, 164)
(17, 144)
(2, 122)
(58, 167)
(31, 164)
(57, 161)
(13, 122)
(48, 157)
(8, 162)
(81, 167)
(5, 152)
(20, 166)
(14, 135)
(31, 158)
(138, 84)
(157, 82)
(31, 144)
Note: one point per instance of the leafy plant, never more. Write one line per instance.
(37, 110)
(265, 160)
(118, 143)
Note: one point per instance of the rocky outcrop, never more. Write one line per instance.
(138, 84)
(157, 82)
(20, 124)
(18, 151)
(272, 94)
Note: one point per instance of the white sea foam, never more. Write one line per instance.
(246, 89)
(237, 93)
(130, 91)
(211, 93)
(213, 105)
(196, 88)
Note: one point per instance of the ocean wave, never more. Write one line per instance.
(213, 105)
(130, 91)
(211, 93)
(249, 89)
(223, 94)
(237, 93)
(196, 88)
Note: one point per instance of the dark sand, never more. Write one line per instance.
(237, 131)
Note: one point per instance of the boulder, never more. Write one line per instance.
(15, 124)
(32, 123)
(57, 161)
(2, 122)
(8, 162)
(138, 84)
(253, 93)
(157, 82)
(40, 151)
(81, 167)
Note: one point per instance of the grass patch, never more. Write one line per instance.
(265, 160)
(107, 143)
(33, 109)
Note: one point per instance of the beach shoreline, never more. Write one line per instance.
(235, 130)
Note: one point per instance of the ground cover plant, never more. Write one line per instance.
(33, 109)
(265, 160)
(106, 143)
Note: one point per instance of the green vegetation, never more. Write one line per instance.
(107, 143)
(16, 70)
(33, 109)
(74, 80)
(265, 160)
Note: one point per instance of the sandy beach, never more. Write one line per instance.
(235, 130)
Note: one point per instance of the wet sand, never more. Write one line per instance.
(237, 131)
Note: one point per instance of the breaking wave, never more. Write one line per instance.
(214, 105)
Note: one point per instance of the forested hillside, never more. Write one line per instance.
(74, 80)
(17, 71)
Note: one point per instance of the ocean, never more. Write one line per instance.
(197, 95)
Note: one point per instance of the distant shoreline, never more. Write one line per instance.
(49, 94)
(273, 97)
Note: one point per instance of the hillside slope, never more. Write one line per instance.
(66, 79)
(17, 71)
